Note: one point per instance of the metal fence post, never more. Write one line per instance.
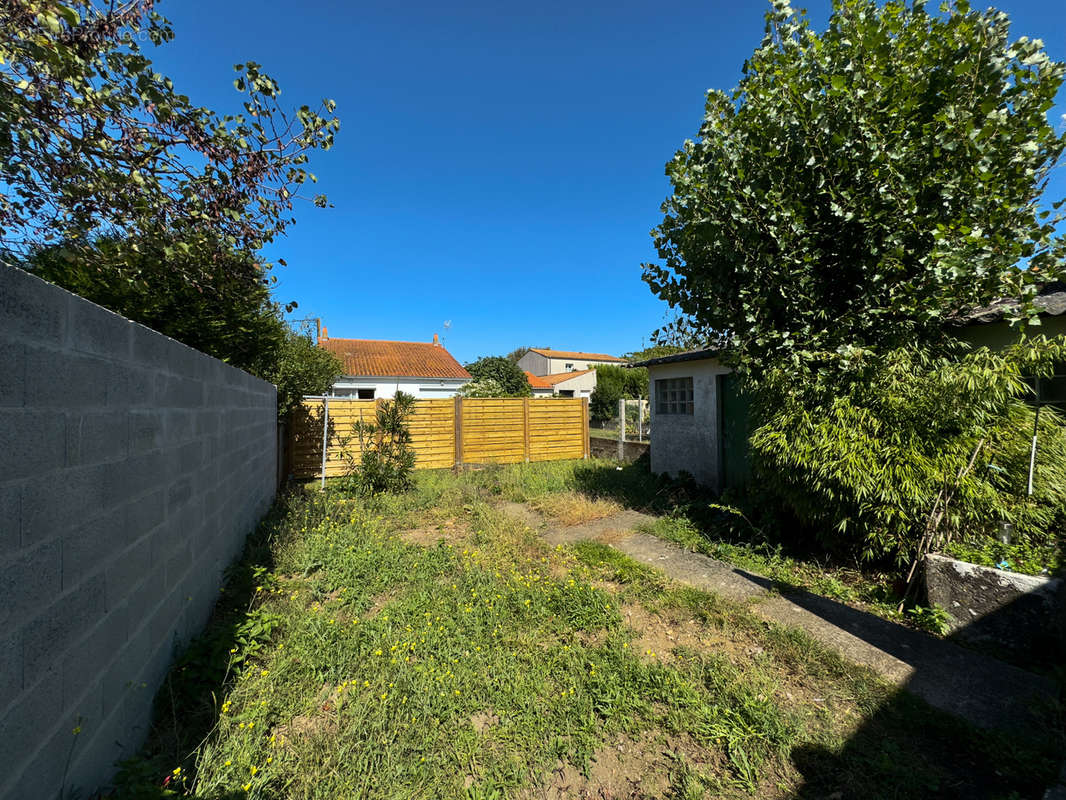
(325, 436)
(621, 429)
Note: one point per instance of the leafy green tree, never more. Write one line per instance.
(612, 384)
(230, 315)
(94, 142)
(504, 375)
(862, 184)
(517, 353)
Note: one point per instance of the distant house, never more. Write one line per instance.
(542, 361)
(564, 384)
(374, 369)
(698, 418)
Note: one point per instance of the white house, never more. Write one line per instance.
(542, 361)
(374, 369)
(564, 384)
(699, 419)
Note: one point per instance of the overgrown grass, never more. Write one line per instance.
(346, 660)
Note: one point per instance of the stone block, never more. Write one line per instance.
(65, 380)
(10, 519)
(96, 330)
(28, 583)
(27, 723)
(134, 477)
(85, 664)
(126, 570)
(97, 436)
(146, 428)
(992, 606)
(31, 442)
(13, 368)
(10, 668)
(92, 545)
(61, 624)
(55, 503)
(130, 386)
(149, 348)
(32, 309)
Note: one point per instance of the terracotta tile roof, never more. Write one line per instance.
(367, 357)
(579, 356)
(550, 381)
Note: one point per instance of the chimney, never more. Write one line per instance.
(318, 328)
(436, 340)
(325, 333)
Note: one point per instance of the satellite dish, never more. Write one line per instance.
(447, 324)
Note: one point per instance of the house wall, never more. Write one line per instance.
(998, 335)
(421, 388)
(131, 470)
(542, 365)
(535, 363)
(688, 443)
(581, 386)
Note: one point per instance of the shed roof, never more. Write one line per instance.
(1050, 301)
(383, 359)
(571, 354)
(703, 354)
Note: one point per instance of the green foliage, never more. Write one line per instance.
(497, 376)
(930, 618)
(94, 141)
(385, 460)
(862, 184)
(298, 367)
(612, 384)
(656, 351)
(920, 452)
(229, 315)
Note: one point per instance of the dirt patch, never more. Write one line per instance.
(627, 769)
(483, 720)
(449, 532)
(572, 508)
(379, 602)
(318, 723)
(658, 635)
(613, 536)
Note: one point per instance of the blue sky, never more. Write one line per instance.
(499, 165)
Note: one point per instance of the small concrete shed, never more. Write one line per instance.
(698, 419)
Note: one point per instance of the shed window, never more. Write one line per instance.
(1051, 390)
(673, 396)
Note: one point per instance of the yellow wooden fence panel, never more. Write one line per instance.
(446, 433)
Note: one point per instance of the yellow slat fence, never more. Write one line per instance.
(448, 433)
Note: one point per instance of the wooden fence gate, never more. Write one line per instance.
(444, 433)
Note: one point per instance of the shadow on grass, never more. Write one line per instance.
(1011, 748)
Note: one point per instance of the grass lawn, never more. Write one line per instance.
(427, 645)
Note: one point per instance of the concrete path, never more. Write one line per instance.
(980, 689)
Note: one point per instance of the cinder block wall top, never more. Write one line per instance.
(131, 470)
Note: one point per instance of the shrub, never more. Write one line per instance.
(612, 384)
(385, 460)
(496, 373)
(917, 452)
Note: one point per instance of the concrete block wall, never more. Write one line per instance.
(131, 470)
